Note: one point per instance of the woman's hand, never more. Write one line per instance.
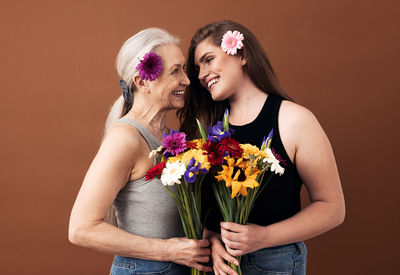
(189, 252)
(219, 254)
(241, 239)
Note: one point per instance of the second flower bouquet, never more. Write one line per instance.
(239, 171)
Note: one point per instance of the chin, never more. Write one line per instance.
(217, 97)
(219, 94)
(178, 106)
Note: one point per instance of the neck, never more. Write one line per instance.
(148, 113)
(246, 103)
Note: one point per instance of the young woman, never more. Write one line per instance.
(228, 68)
(148, 238)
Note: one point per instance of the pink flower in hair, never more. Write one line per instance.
(231, 42)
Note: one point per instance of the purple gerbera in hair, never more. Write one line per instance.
(174, 143)
(150, 67)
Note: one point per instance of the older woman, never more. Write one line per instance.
(149, 236)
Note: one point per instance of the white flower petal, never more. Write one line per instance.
(152, 154)
(172, 173)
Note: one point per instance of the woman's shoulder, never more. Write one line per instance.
(295, 114)
(299, 125)
(123, 135)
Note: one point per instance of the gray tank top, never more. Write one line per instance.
(143, 207)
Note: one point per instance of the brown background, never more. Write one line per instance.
(338, 58)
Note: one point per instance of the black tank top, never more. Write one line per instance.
(281, 197)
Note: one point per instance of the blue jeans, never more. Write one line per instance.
(288, 259)
(133, 266)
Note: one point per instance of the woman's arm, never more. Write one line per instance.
(121, 151)
(316, 165)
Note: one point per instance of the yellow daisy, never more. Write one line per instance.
(175, 158)
(251, 150)
(198, 155)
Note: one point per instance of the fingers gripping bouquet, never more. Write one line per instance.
(239, 171)
(184, 164)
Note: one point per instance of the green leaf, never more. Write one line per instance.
(202, 130)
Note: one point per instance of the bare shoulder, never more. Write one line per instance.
(124, 133)
(123, 139)
(298, 120)
(297, 126)
(294, 113)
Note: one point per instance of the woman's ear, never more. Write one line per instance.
(140, 83)
(243, 61)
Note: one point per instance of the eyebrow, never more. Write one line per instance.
(203, 56)
(179, 65)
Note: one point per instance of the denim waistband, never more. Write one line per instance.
(141, 265)
(283, 259)
(298, 247)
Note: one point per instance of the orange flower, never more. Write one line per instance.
(244, 177)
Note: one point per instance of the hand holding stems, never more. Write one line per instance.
(241, 239)
(219, 255)
(235, 240)
(189, 252)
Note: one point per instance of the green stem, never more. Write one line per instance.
(187, 209)
(236, 267)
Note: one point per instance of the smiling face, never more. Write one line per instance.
(221, 74)
(169, 88)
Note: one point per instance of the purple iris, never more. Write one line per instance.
(190, 174)
(265, 143)
(216, 132)
(171, 133)
(271, 133)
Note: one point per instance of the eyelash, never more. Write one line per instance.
(209, 59)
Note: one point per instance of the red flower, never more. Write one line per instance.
(191, 144)
(215, 155)
(155, 171)
(231, 146)
(279, 158)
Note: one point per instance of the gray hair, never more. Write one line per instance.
(132, 51)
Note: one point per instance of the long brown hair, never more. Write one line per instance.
(198, 101)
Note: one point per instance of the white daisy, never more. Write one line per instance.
(154, 152)
(172, 173)
(274, 162)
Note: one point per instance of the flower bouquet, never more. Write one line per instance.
(184, 164)
(239, 170)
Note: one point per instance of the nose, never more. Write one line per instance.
(203, 72)
(185, 80)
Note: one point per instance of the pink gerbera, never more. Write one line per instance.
(174, 143)
(231, 42)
